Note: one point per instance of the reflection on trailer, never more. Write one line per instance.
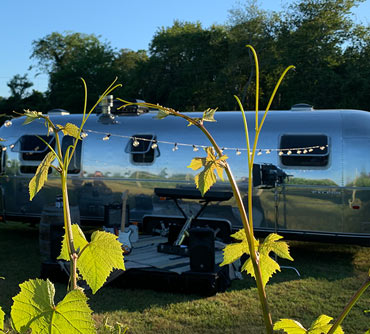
(312, 172)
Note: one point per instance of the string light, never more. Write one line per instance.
(154, 145)
(135, 143)
(4, 148)
(8, 123)
(238, 151)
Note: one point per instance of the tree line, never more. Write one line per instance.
(190, 67)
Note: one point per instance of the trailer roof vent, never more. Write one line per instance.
(61, 112)
(301, 107)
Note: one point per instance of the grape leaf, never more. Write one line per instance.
(41, 175)
(207, 177)
(162, 113)
(268, 266)
(2, 317)
(70, 130)
(79, 242)
(290, 326)
(234, 251)
(271, 244)
(320, 326)
(31, 116)
(98, 259)
(208, 116)
(34, 309)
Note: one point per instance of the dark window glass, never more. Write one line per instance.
(33, 148)
(142, 149)
(304, 150)
(75, 164)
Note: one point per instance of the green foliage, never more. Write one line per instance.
(68, 57)
(268, 266)
(96, 259)
(320, 326)
(31, 116)
(208, 116)
(207, 177)
(34, 309)
(2, 317)
(41, 176)
(118, 328)
(70, 130)
(19, 85)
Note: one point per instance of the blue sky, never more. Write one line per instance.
(125, 24)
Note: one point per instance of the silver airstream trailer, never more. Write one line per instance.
(311, 174)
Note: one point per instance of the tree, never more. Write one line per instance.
(314, 36)
(68, 57)
(19, 85)
(184, 66)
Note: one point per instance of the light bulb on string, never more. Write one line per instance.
(259, 152)
(238, 152)
(281, 153)
(107, 137)
(83, 135)
(12, 145)
(289, 152)
(305, 151)
(195, 149)
(135, 143)
(299, 151)
(154, 145)
(175, 147)
(4, 148)
(8, 123)
(268, 151)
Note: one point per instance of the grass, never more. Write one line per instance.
(329, 276)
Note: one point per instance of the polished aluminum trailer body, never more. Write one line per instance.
(322, 193)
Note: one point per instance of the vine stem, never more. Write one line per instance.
(248, 231)
(68, 231)
(349, 305)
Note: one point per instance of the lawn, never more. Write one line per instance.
(329, 276)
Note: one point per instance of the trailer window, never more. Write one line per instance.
(75, 164)
(304, 150)
(143, 148)
(32, 148)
